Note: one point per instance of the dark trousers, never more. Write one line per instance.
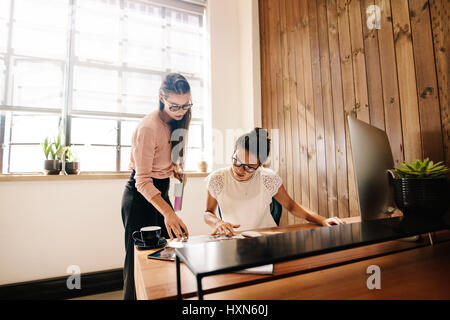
(137, 213)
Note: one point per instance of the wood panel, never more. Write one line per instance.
(373, 70)
(338, 110)
(348, 89)
(319, 122)
(359, 61)
(286, 106)
(277, 105)
(440, 17)
(303, 136)
(406, 80)
(309, 106)
(328, 108)
(291, 29)
(321, 61)
(389, 80)
(427, 90)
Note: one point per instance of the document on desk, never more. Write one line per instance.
(194, 240)
(266, 269)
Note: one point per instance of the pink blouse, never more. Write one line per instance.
(151, 154)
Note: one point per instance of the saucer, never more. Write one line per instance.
(141, 245)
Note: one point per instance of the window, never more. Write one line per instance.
(96, 66)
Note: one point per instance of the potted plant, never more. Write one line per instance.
(53, 153)
(421, 187)
(71, 162)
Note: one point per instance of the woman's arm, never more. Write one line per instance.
(292, 206)
(220, 226)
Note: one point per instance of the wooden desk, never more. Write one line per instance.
(157, 279)
(421, 273)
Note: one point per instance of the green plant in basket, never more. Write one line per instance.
(421, 169)
(421, 188)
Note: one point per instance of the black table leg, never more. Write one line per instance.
(431, 238)
(199, 288)
(177, 262)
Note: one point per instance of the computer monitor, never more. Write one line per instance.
(372, 157)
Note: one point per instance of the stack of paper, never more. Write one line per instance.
(266, 269)
(194, 240)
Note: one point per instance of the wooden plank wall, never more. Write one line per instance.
(320, 61)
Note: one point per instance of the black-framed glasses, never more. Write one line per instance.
(247, 168)
(174, 107)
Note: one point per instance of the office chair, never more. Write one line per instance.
(275, 210)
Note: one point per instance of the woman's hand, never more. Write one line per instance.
(225, 228)
(178, 174)
(332, 221)
(176, 226)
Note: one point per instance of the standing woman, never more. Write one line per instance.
(145, 200)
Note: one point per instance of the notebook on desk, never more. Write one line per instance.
(166, 253)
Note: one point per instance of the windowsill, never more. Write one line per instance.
(81, 176)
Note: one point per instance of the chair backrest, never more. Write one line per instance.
(275, 210)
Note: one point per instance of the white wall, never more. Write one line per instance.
(235, 71)
(47, 226)
(250, 64)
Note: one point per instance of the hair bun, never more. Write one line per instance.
(260, 132)
(256, 142)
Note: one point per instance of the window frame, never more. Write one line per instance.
(66, 113)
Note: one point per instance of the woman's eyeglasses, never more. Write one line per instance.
(186, 106)
(174, 107)
(247, 168)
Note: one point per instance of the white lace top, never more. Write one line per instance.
(245, 202)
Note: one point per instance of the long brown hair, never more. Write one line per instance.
(175, 83)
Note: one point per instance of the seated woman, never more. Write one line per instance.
(244, 190)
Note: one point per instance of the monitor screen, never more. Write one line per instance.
(372, 157)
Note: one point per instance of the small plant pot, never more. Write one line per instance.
(52, 167)
(72, 167)
(202, 166)
(422, 197)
